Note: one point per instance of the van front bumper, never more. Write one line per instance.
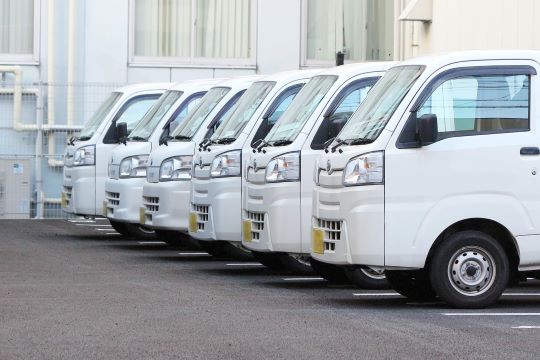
(217, 209)
(123, 199)
(79, 191)
(348, 225)
(165, 205)
(271, 217)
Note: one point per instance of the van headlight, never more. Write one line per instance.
(226, 164)
(365, 169)
(133, 166)
(176, 168)
(285, 167)
(85, 155)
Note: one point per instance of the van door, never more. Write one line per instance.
(334, 118)
(480, 166)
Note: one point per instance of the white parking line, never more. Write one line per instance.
(245, 264)
(303, 279)
(376, 294)
(102, 219)
(112, 233)
(526, 327)
(109, 229)
(93, 225)
(151, 242)
(82, 221)
(193, 253)
(521, 294)
(490, 314)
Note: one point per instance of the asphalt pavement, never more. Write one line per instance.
(78, 290)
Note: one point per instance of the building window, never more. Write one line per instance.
(193, 32)
(362, 29)
(18, 31)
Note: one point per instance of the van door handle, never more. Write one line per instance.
(529, 151)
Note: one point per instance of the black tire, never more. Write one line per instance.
(237, 252)
(474, 252)
(366, 278)
(140, 232)
(413, 284)
(297, 264)
(119, 227)
(271, 260)
(333, 273)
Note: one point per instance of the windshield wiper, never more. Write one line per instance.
(357, 141)
(281, 142)
(327, 143)
(261, 144)
(182, 137)
(136, 138)
(224, 140)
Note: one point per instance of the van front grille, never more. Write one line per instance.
(332, 232)
(257, 224)
(202, 212)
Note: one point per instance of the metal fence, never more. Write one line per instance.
(36, 120)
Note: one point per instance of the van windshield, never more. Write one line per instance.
(194, 120)
(93, 124)
(233, 125)
(369, 120)
(150, 121)
(295, 117)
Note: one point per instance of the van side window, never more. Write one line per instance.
(223, 114)
(475, 105)
(337, 115)
(274, 112)
(131, 113)
(184, 111)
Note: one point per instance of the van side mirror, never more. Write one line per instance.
(427, 129)
(122, 132)
(336, 123)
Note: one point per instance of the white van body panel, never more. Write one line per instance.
(286, 207)
(169, 208)
(83, 186)
(428, 189)
(221, 198)
(124, 195)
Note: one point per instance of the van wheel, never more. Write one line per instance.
(236, 251)
(271, 260)
(119, 227)
(297, 264)
(470, 269)
(367, 278)
(413, 284)
(333, 273)
(140, 231)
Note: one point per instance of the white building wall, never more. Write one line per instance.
(472, 25)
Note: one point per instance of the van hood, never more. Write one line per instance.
(132, 148)
(175, 148)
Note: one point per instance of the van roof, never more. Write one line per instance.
(440, 60)
(133, 88)
(239, 81)
(290, 75)
(195, 85)
(358, 68)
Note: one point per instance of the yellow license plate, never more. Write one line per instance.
(246, 230)
(193, 227)
(317, 241)
(142, 215)
(64, 200)
(104, 208)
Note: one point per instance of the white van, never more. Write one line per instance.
(216, 187)
(128, 162)
(164, 205)
(433, 178)
(86, 156)
(279, 176)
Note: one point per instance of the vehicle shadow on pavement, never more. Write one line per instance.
(244, 271)
(283, 284)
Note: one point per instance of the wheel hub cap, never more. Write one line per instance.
(471, 271)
